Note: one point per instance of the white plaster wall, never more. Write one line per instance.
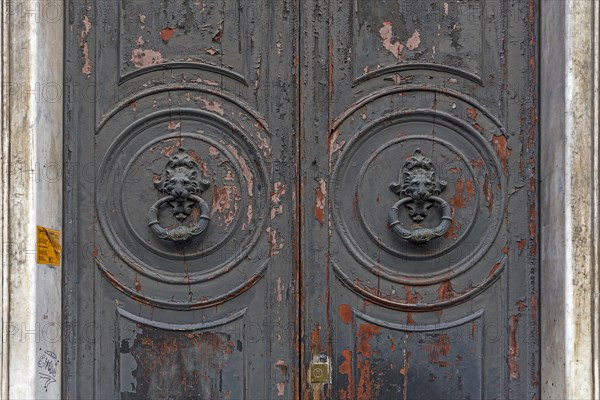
(32, 139)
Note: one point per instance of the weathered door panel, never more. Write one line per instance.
(419, 141)
(180, 198)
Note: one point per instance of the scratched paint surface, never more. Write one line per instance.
(455, 316)
(154, 363)
(386, 363)
(210, 317)
(300, 115)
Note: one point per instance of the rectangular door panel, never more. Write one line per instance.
(180, 200)
(419, 137)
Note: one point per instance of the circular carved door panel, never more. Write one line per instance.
(181, 198)
(419, 197)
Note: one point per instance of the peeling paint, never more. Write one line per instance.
(168, 150)
(142, 58)
(213, 106)
(501, 147)
(363, 349)
(320, 195)
(334, 146)
(345, 313)
(225, 201)
(513, 347)
(439, 350)
(172, 126)
(279, 290)
(167, 33)
(278, 191)
(281, 389)
(274, 247)
(446, 292)
(246, 172)
(86, 69)
(488, 193)
(472, 113)
(385, 32)
(457, 200)
(470, 189)
(346, 369)
(414, 41)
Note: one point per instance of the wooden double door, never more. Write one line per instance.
(301, 199)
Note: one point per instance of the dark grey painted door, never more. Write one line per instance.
(181, 126)
(255, 186)
(419, 232)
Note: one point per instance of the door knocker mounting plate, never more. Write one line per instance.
(419, 185)
(182, 183)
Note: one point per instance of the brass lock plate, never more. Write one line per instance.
(318, 371)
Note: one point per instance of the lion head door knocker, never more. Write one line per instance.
(420, 187)
(183, 185)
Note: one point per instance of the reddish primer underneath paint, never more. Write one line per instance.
(457, 200)
(167, 33)
(363, 348)
(472, 113)
(501, 147)
(446, 292)
(320, 194)
(346, 369)
(345, 313)
(513, 347)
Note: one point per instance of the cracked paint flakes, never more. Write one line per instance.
(172, 126)
(246, 172)
(500, 145)
(225, 201)
(142, 58)
(201, 164)
(488, 193)
(167, 33)
(457, 200)
(275, 247)
(278, 191)
(282, 367)
(213, 106)
(364, 352)
(446, 292)
(320, 196)
(386, 34)
(513, 347)
(439, 350)
(345, 368)
(86, 69)
(414, 41)
(334, 145)
(345, 313)
(170, 146)
(280, 289)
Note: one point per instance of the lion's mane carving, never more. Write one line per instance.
(181, 179)
(418, 180)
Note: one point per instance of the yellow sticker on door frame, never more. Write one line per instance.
(48, 247)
